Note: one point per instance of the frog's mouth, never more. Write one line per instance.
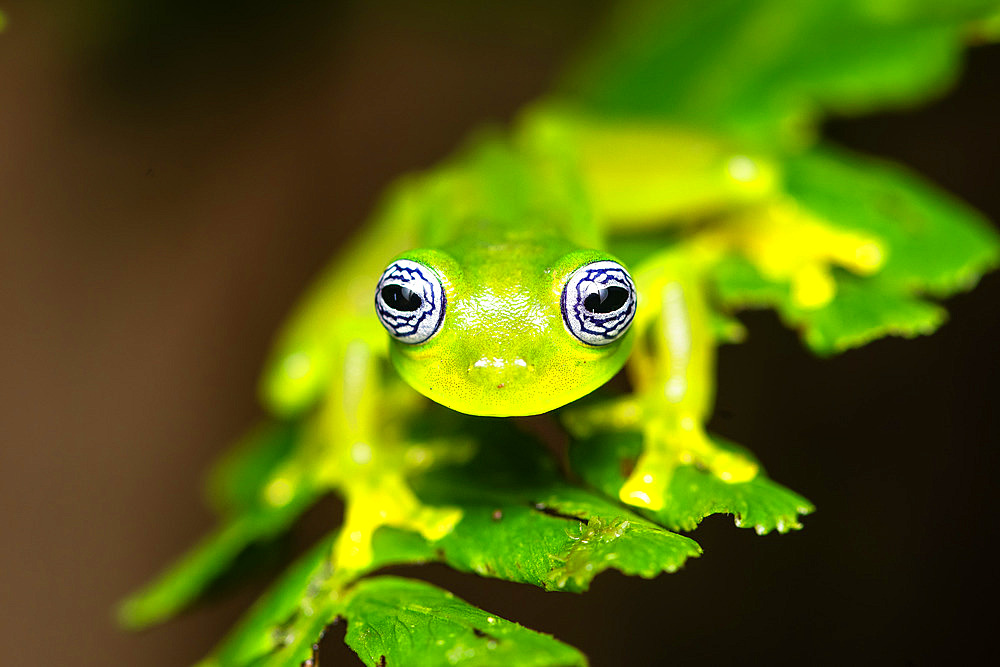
(508, 380)
(506, 387)
(499, 387)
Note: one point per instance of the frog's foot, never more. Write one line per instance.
(669, 440)
(386, 502)
(666, 446)
(786, 243)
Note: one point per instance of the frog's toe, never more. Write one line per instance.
(732, 467)
(643, 491)
(693, 447)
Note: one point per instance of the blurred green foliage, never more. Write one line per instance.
(767, 70)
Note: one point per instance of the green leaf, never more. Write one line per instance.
(521, 522)
(861, 313)
(766, 70)
(548, 533)
(262, 630)
(289, 618)
(561, 541)
(862, 310)
(394, 621)
(409, 622)
(934, 243)
(694, 494)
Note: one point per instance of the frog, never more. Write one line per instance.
(496, 285)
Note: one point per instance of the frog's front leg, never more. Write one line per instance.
(671, 370)
(363, 449)
(384, 499)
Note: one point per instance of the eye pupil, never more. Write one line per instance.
(606, 299)
(400, 298)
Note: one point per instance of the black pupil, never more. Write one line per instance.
(606, 299)
(398, 297)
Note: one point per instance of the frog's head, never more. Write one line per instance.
(516, 330)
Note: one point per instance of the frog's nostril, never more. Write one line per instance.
(499, 363)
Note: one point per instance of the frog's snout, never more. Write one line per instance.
(501, 385)
(499, 371)
(519, 375)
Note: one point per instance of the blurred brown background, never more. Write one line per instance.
(172, 174)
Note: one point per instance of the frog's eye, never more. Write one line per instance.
(598, 302)
(409, 301)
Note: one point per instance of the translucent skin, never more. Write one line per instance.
(504, 225)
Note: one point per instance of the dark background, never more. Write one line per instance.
(172, 176)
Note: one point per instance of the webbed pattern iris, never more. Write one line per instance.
(410, 301)
(598, 302)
